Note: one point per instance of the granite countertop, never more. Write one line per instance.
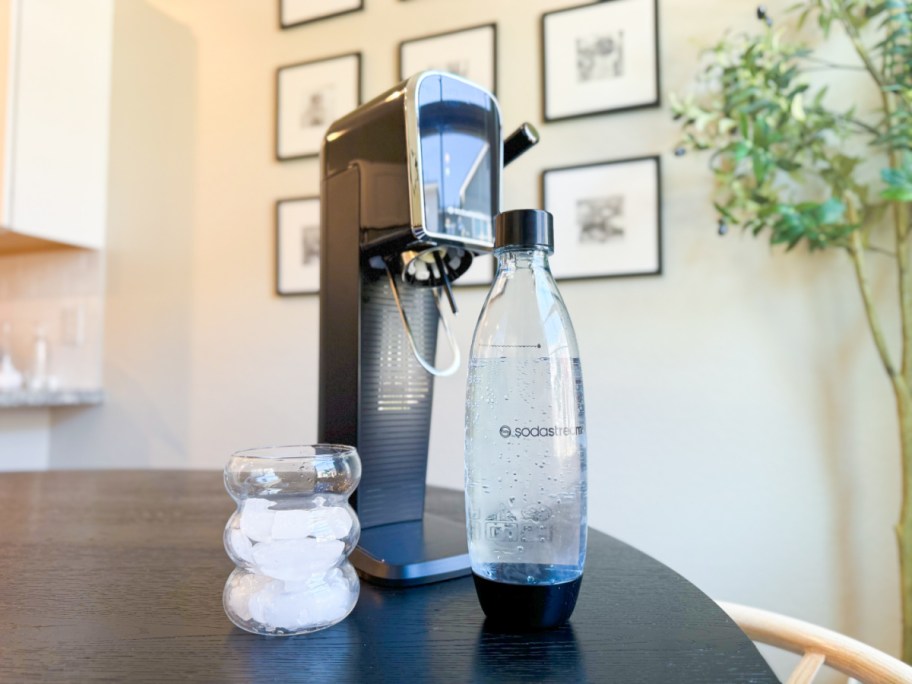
(60, 397)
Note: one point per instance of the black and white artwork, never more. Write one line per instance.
(297, 12)
(600, 219)
(469, 53)
(607, 219)
(600, 58)
(309, 97)
(298, 246)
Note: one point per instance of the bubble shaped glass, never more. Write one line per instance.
(290, 538)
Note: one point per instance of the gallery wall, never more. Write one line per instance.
(740, 428)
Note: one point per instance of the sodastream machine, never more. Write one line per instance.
(410, 183)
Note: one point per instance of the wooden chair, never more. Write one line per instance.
(818, 646)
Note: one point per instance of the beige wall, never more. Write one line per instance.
(739, 425)
(149, 251)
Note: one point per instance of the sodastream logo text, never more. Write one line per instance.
(540, 431)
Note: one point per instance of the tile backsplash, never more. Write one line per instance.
(61, 292)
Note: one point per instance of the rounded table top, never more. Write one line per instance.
(118, 575)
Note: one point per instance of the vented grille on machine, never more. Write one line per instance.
(395, 403)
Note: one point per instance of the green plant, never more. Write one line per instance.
(787, 165)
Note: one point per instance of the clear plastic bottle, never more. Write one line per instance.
(525, 439)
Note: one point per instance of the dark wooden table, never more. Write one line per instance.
(117, 576)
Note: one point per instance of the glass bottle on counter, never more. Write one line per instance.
(10, 378)
(525, 439)
(38, 377)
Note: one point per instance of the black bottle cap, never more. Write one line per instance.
(524, 228)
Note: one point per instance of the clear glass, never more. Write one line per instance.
(290, 538)
(525, 437)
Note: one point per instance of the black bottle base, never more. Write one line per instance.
(525, 607)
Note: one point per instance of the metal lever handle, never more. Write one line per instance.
(518, 142)
(451, 338)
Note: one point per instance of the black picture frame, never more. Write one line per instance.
(413, 42)
(643, 249)
(559, 60)
(310, 19)
(306, 282)
(309, 145)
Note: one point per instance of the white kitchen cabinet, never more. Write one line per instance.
(55, 92)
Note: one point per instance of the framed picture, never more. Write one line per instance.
(601, 57)
(470, 53)
(297, 12)
(607, 218)
(309, 97)
(298, 246)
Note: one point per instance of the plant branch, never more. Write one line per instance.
(905, 285)
(832, 65)
(903, 527)
(861, 124)
(860, 49)
(856, 252)
(901, 233)
(900, 225)
(881, 250)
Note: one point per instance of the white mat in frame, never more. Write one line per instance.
(607, 218)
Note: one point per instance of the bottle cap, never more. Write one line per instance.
(524, 228)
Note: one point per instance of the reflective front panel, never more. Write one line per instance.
(460, 148)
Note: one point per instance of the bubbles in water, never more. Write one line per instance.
(504, 536)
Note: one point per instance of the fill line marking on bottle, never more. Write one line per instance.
(512, 346)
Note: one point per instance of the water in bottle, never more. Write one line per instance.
(525, 442)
